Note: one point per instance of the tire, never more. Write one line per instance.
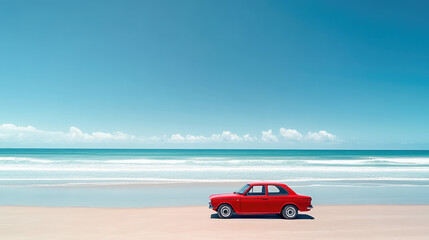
(225, 211)
(289, 212)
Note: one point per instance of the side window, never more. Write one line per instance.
(276, 190)
(256, 190)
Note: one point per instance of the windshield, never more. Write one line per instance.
(243, 189)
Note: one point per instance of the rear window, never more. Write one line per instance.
(276, 190)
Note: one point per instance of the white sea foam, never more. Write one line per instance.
(360, 186)
(373, 160)
(229, 161)
(339, 162)
(127, 184)
(147, 161)
(191, 180)
(107, 184)
(414, 161)
(403, 160)
(136, 181)
(208, 161)
(24, 159)
(185, 168)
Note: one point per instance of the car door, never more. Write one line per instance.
(277, 197)
(255, 199)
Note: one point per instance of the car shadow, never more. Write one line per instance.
(264, 216)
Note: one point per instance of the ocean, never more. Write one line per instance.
(167, 177)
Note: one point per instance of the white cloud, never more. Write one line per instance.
(5, 127)
(321, 136)
(10, 133)
(195, 139)
(155, 139)
(248, 138)
(75, 134)
(268, 136)
(231, 137)
(177, 138)
(290, 134)
(225, 136)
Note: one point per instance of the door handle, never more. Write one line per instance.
(264, 198)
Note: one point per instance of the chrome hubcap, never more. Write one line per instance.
(290, 212)
(225, 211)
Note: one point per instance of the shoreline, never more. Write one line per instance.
(204, 206)
(199, 222)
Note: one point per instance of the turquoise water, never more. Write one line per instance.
(133, 178)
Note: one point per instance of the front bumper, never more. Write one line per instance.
(210, 205)
(310, 207)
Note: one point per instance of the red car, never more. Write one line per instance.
(261, 198)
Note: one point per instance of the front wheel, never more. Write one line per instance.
(224, 211)
(289, 212)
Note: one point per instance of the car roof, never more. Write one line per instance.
(270, 183)
(274, 183)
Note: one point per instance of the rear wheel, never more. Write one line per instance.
(225, 211)
(289, 212)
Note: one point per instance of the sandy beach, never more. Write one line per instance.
(199, 222)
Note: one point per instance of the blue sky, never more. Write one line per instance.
(332, 74)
